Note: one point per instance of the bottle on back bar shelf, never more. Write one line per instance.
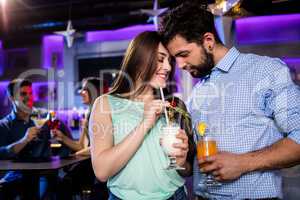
(75, 119)
(53, 124)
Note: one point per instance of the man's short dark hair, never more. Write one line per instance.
(190, 20)
(15, 85)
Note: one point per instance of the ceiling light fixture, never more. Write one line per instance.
(69, 33)
(154, 13)
(3, 2)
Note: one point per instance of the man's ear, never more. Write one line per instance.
(209, 42)
(12, 99)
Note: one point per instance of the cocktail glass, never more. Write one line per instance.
(207, 146)
(168, 138)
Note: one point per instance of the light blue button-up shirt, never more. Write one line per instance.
(248, 102)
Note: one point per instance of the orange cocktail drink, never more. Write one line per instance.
(206, 146)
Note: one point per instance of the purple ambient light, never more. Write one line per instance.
(1, 58)
(53, 49)
(293, 63)
(119, 34)
(268, 29)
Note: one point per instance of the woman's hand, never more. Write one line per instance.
(58, 135)
(152, 111)
(183, 148)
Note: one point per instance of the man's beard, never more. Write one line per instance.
(203, 69)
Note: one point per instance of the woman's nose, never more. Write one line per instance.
(167, 65)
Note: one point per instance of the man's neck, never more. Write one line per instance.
(22, 115)
(219, 52)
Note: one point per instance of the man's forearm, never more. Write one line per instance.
(5, 153)
(17, 146)
(282, 154)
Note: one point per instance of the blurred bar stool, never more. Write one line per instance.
(1, 192)
(86, 194)
(95, 191)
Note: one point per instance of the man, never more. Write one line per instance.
(17, 129)
(248, 101)
(20, 138)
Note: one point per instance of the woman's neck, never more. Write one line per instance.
(146, 96)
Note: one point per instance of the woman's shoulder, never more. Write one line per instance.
(101, 102)
(105, 98)
(110, 101)
(102, 99)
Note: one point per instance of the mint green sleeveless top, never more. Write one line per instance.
(144, 176)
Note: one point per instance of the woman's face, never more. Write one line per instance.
(84, 94)
(160, 77)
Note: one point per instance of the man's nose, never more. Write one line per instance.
(180, 63)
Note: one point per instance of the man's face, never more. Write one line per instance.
(191, 57)
(24, 98)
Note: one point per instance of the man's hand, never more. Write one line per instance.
(31, 134)
(183, 148)
(224, 166)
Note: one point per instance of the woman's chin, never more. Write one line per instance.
(158, 85)
(163, 85)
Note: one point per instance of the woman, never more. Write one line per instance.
(80, 176)
(91, 89)
(125, 128)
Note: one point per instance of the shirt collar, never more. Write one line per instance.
(227, 61)
(13, 116)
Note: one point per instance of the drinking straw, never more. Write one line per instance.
(165, 109)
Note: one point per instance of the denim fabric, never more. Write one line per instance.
(179, 194)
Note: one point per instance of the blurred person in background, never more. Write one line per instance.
(17, 130)
(80, 176)
(18, 136)
(20, 139)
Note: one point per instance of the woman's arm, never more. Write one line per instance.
(83, 152)
(84, 136)
(72, 144)
(107, 158)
